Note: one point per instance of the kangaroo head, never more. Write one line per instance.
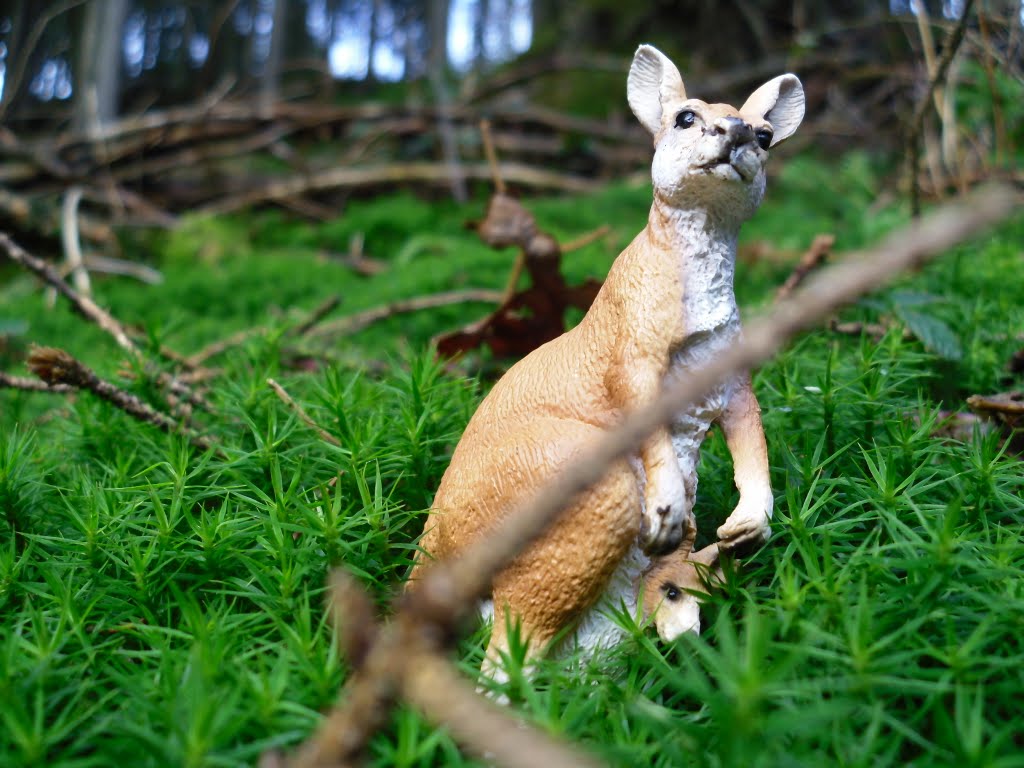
(710, 155)
(669, 587)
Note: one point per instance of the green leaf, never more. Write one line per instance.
(934, 333)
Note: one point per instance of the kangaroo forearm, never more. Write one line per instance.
(744, 434)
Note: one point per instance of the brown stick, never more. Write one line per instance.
(56, 367)
(429, 173)
(820, 248)
(7, 381)
(72, 245)
(83, 305)
(585, 239)
(319, 313)
(360, 320)
(301, 413)
(93, 312)
(453, 588)
(235, 339)
(492, 157)
(434, 687)
(1006, 403)
(449, 589)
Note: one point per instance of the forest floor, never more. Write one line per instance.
(163, 606)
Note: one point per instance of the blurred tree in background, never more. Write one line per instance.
(185, 105)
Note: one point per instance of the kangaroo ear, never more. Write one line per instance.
(781, 103)
(653, 80)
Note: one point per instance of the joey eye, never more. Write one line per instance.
(685, 118)
(672, 592)
(764, 138)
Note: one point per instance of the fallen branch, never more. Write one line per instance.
(586, 239)
(449, 589)
(814, 257)
(301, 413)
(397, 173)
(360, 320)
(83, 305)
(7, 381)
(220, 346)
(93, 312)
(56, 367)
(72, 245)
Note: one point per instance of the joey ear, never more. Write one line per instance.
(781, 103)
(707, 556)
(653, 80)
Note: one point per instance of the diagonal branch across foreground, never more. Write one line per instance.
(403, 657)
(453, 587)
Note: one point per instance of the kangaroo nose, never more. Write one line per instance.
(735, 129)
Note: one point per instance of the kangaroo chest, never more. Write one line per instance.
(711, 323)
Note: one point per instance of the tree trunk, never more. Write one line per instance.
(98, 79)
(437, 71)
(270, 84)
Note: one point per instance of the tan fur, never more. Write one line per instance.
(645, 326)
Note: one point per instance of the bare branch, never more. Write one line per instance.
(450, 589)
(93, 312)
(360, 320)
(820, 248)
(434, 687)
(72, 246)
(492, 157)
(429, 173)
(7, 381)
(447, 590)
(301, 413)
(585, 239)
(56, 367)
(85, 306)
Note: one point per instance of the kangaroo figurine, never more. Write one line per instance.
(667, 306)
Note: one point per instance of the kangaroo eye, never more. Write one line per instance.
(672, 592)
(764, 138)
(685, 118)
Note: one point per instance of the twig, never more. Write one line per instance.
(874, 330)
(492, 157)
(301, 413)
(240, 337)
(57, 367)
(123, 267)
(917, 120)
(222, 345)
(1006, 403)
(90, 310)
(7, 381)
(72, 246)
(585, 239)
(84, 305)
(453, 588)
(445, 697)
(360, 320)
(820, 248)
(318, 314)
(448, 590)
(405, 173)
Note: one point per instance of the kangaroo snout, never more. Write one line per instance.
(736, 130)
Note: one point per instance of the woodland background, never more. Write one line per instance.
(260, 260)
